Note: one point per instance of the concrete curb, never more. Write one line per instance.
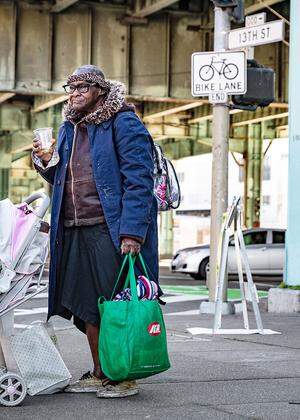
(283, 301)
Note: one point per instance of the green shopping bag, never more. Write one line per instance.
(132, 339)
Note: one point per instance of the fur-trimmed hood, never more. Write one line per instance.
(113, 103)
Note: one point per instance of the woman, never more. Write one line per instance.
(102, 206)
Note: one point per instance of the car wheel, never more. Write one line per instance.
(201, 275)
(195, 276)
(203, 268)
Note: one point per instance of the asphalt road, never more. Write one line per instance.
(36, 308)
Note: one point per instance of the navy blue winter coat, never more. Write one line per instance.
(121, 153)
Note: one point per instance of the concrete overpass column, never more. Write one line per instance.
(292, 270)
(5, 165)
(253, 176)
(4, 183)
(288, 299)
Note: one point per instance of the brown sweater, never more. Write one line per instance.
(81, 205)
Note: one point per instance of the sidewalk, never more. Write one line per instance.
(221, 377)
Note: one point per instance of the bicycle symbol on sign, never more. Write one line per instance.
(230, 70)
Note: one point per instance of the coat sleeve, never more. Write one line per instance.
(48, 173)
(134, 148)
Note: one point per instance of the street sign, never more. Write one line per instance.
(255, 20)
(256, 35)
(216, 72)
(218, 97)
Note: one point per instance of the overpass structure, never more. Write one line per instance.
(147, 44)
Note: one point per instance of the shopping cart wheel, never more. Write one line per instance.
(12, 389)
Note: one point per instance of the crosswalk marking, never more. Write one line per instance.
(172, 298)
(162, 277)
(182, 298)
(184, 313)
(209, 331)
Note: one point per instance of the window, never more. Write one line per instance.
(266, 169)
(278, 237)
(266, 200)
(255, 238)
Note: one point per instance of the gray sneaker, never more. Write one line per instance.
(87, 383)
(121, 390)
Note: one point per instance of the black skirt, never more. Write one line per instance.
(89, 269)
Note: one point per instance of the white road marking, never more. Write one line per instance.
(34, 311)
(209, 331)
(165, 263)
(183, 298)
(263, 284)
(184, 313)
(176, 298)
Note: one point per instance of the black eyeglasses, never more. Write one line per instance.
(69, 89)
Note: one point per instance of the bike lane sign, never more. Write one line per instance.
(216, 72)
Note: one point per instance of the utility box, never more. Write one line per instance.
(260, 87)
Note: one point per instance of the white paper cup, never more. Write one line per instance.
(45, 136)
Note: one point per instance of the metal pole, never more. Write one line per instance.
(251, 285)
(292, 277)
(219, 191)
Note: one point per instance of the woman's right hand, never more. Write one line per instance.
(37, 150)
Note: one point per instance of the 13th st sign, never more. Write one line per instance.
(215, 72)
(256, 35)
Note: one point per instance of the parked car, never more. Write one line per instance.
(265, 250)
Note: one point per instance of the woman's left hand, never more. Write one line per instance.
(130, 245)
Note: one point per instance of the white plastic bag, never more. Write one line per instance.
(39, 361)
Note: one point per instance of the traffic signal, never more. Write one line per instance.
(225, 3)
(238, 13)
(260, 88)
(238, 8)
